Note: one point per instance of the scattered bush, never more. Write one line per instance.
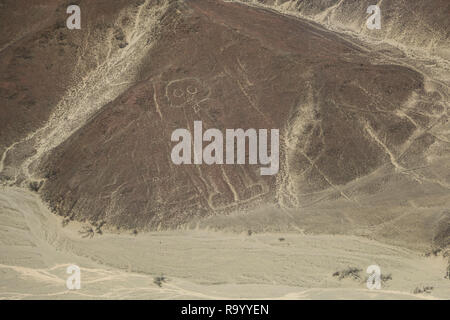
(98, 227)
(65, 221)
(435, 252)
(159, 280)
(350, 272)
(87, 232)
(386, 277)
(424, 289)
(35, 185)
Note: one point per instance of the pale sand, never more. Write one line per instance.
(36, 250)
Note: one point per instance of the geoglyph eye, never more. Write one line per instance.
(186, 92)
(192, 90)
(178, 93)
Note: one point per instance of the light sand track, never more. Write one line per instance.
(35, 251)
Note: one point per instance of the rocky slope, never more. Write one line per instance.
(415, 26)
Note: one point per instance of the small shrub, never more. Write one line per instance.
(448, 271)
(424, 289)
(159, 280)
(435, 252)
(386, 277)
(87, 232)
(65, 221)
(35, 185)
(98, 227)
(350, 272)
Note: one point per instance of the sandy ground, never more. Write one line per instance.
(36, 250)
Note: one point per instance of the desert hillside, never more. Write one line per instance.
(414, 26)
(87, 115)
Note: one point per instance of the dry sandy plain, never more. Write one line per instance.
(198, 264)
